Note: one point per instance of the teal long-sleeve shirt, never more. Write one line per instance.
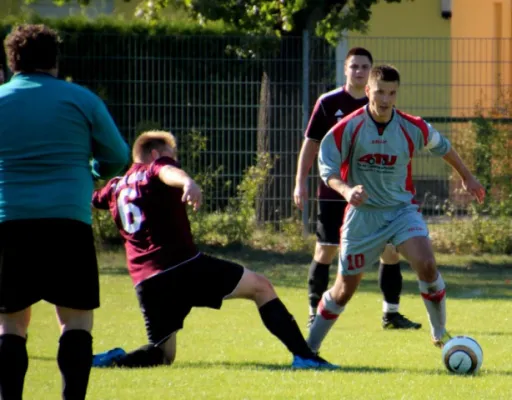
(50, 130)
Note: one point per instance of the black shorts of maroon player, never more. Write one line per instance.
(167, 298)
(47, 259)
(329, 221)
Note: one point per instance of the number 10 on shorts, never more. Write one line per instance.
(355, 261)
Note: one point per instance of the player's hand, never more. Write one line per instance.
(356, 195)
(300, 195)
(475, 188)
(192, 194)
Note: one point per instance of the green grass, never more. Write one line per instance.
(228, 354)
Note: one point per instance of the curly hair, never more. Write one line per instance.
(31, 47)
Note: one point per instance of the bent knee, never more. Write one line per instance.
(262, 285)
(427, 269)
(344, 288)
(260, 289)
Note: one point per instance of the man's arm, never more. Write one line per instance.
(330, 160)
(110, 151)
(101, 197)
(453, 158)
(439, 145)
(176, 177)
(469, 182)
(336, 183)
(307, 156)
(315, 131)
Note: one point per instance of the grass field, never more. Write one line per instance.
(228, 354)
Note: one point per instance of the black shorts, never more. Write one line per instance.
(47, 259)
(329, 221)
(167, 298)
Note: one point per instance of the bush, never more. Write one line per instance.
(237, 222)
(475, 235)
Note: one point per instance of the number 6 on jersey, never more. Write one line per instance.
(130, 214)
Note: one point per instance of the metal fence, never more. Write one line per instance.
(196, 84)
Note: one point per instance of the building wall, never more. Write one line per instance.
(481, 52)
(416, 39)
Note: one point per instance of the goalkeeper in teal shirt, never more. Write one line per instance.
(50, 130)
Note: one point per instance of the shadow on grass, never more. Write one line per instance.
(357, 369)
(466, 278)
(253, 365)
(263, 366)
(484, 333)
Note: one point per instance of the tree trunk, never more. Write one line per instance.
(263, 142)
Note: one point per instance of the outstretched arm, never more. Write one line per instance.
(176, 177)
(437, 144)
(469, 182)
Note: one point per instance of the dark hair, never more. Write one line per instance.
(32, 47)
(359, 51)
(386, 73)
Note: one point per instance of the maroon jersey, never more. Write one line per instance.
(151, 218)
(330, 108)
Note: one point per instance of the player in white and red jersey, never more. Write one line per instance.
(330, 108)
(170, 275)
(367, 158)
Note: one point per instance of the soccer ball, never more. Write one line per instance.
(462, 355)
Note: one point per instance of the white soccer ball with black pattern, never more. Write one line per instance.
(462, 355)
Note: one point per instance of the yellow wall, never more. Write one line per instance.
(481, 52)
(415, 38)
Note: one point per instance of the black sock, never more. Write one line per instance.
(282, 324)
(146, 356)
(390, 282)
(75, 358)
(13, 366)
(318, 280)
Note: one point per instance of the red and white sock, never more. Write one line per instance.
(434, 297)
(326, 315)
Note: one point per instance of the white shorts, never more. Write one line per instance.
(365, 234)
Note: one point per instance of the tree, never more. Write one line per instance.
(328, 18)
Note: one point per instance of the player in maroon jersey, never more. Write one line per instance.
(170, 275)
(2, 76)
(329, 109)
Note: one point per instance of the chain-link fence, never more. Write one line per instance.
(238, 99)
